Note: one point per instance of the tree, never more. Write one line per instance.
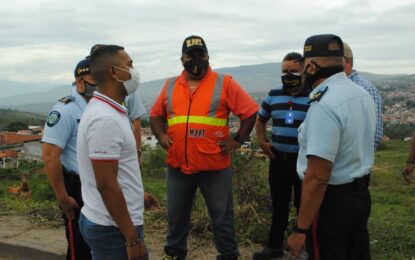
(16, 126)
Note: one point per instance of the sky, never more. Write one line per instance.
(42, 40)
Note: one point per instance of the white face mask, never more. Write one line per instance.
(132, 84)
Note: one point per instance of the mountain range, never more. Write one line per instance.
(256, 79)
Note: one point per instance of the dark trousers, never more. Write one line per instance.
(282, 179)
(340, 230)
(216, 188)
(77, 248)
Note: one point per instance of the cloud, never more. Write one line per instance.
(45, 39)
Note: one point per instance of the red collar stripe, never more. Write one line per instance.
(110, 102)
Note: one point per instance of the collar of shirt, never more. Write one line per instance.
(79, 99)
(354, 75)
(329, 81)
(112, 103)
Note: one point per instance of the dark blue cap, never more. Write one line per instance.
(82, 68)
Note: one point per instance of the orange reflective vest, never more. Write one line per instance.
(196, 123)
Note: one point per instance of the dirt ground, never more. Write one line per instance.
(21, 236)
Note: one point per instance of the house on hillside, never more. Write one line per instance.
(32, 150)
(9, 159)
(18, 138)
(148, 138)
(23, 144)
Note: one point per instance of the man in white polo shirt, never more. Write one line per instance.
(111, 220)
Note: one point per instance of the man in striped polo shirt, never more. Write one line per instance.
(287, 106)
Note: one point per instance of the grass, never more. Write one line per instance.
(392, 221)
(391, 225)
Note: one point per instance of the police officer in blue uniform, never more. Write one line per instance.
(59, 156)
(336, 155)
(287, 106)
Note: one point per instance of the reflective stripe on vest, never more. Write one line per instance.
(213, 108)
(217, 92)
(198, 120)
(169, 94)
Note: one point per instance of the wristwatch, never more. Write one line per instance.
(296, 229)
(132, 244)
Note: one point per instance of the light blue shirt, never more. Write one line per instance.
(61, 128)
(374, 92)
(340, 128)
(135, 106)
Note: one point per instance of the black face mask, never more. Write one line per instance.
(200, 64)
(290, 81)
(89, 90)
(308, 80)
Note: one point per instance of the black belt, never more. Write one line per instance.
(358, 184)
(284, 156)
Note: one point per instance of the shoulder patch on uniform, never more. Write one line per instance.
(318, 95)
(53, 118)
(66, 99)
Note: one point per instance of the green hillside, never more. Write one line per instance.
(13, 120)
(391, 224)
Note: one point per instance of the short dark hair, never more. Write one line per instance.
(293, 56)
(95, 47)
(102, 58)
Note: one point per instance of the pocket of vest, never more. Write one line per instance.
(208, 148)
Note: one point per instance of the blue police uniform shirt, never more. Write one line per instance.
(340, 127)
(287, 113)
(134, 106)
(61, 128)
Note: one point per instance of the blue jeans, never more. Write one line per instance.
(106, 242)
(216, 188)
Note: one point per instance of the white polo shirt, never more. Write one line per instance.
(105, 133)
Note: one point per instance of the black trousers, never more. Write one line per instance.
(340, 230)
(77, 247)
(282, 179)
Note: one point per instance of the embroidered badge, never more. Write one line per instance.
(318, 95)
(53, 118)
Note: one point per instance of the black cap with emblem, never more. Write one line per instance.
(193, 42)
(318, 46)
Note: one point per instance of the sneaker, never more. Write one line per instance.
(267, 254)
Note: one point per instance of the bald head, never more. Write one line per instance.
(348, 59)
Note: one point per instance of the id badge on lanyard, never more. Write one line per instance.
(289, 115)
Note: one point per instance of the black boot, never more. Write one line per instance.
(227, 257)
(268, 253)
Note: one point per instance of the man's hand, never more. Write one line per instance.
(165, 141)
(266, 148)
(150, 202)
(296, 242)
(407, 173)
(68, 206)
(140, 159)
(227, 146)
(137, 252)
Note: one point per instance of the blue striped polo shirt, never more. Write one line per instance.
(287, 112)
